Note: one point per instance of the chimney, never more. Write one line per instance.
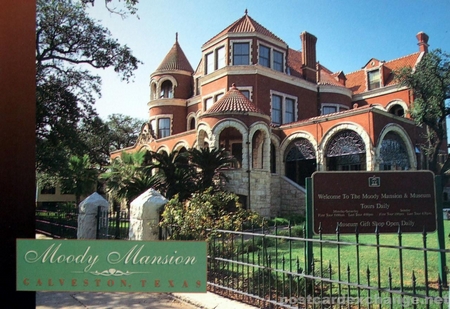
(309, 56)
(422, 37)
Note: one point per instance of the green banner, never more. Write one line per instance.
(111, 266)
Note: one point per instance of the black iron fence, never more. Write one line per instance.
(64, 224)
(57, 223)
(269, 269)
(113, 224)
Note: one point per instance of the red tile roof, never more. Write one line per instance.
(175, 60)
(294, 62)
(233, 101)
(245, 24)
(356, 81)
(326, 77)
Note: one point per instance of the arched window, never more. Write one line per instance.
(346, 152)
(231, 140)
(397, 110)
(393, 153)
(257, 150)
(192, 124)
(273, 158)
(300, 161)
(166, 90)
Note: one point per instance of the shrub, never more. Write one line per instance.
(189, 220)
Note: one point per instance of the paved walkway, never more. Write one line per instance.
(82, 300)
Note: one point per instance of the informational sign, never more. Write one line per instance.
(111, 266)
(364, 201)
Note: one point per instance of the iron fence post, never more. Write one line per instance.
(440, 230)
(308, 225)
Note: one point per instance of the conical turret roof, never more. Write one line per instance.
(233, 102)
(175, 60)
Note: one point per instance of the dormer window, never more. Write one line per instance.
(374, 79)
(241, 54)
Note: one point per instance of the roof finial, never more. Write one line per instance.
(246, 11)
(176, 36)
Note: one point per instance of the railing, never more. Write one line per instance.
(268, 269)
(57, 224)
(63, 224)
(113, 224)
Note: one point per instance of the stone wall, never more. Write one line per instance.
(292, 198)
(270, 195)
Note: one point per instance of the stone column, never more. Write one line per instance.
(144, 215)
(87, 216)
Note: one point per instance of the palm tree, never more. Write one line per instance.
(80, 177)
(208, 163)
(122, 173)
(174, 172)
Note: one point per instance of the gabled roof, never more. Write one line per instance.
(233, 102)
(246, 24)
(326, 77)
(356, 81)
(294, 62)
(175, 60)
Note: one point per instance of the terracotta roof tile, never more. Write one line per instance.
(245, 24)
(356, 81)
(233, 101)
(327, 77)
(175, 60)
(294, 62)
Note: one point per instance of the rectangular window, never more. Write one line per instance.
(209, 63)
(289, 111)
(48, 190)
(329, 110)
(218, 96)
(246, 93)
(163, 127)
(264, 56)
(278, 61)
(220, 57)
(276, 109)
(241, 54)
(374, 79)
(208, 103)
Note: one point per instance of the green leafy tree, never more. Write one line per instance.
(209, 209)
(124, 131)
(430, 84)
(99, 138)
(129, 5)
(68, 45)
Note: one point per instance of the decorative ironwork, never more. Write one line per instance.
(346, 143)
(302, 150)
(393, 154)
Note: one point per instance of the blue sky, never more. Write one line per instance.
(349, 33)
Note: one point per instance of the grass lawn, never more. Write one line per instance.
(344, 258)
